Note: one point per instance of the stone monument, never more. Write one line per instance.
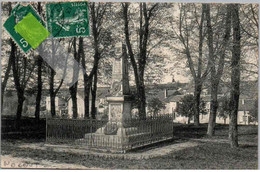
(119, 102)
(120, 132)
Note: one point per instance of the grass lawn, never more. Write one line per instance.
(208, 155)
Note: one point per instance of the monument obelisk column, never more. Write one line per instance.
(119, 101)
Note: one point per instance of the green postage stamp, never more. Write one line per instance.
(68, 19)
(17, 14)
(32, 30)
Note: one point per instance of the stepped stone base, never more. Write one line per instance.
(124, 139)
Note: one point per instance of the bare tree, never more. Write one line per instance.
(97, 13)
(39, 89)
(22, 71)
(249, 40)
(235, 76)
(249, 23)
(216, 68)
(190, 25)
(73, 89)
(39, 79)
(52, 91)
(9, 64)
(139, 61)
(87, 81)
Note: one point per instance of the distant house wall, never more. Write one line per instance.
(204, 118)
(48, 103)
(208, 106)
(243, 117)
(220, 120)
(70, 108)
(181, 119)
(171, 107)
(81, 107)
(60, 106)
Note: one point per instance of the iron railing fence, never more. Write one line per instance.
(62, 130)
(109, 135)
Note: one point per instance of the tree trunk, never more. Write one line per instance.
(93, 100)
(87, 82)
(73, 93)
(142, 104)
(213, 110)
(39, 90)
(6, 76)
(141, 95)
(214, 85)
(20, 95)
(8, 69)
(53, 106)
(18, 86)
(197, 93)
(73, 88)
(96, 26)
(87, 86)
(52, 95)
(235, 77)
(233, 134)
(39, 80)
(216, 75)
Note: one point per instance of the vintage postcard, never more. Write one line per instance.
(129, 85)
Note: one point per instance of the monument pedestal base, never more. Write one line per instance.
(124, 139)
(120, 131)
(119, 108)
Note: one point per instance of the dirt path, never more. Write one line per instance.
(156, 152)
(8, 161)
(241, 143)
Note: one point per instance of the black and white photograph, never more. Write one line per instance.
(121, 85)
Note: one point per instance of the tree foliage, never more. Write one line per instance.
(254, 112)
(191, 32)
(224, 108)
(155, 105)
(187, 107)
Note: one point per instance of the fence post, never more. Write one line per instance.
(91, 139)
(46, 134)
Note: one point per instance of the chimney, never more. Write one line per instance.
(165, 93)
